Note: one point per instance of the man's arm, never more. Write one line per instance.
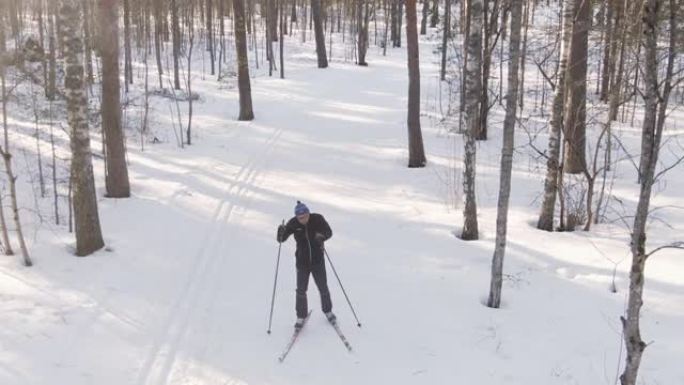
(285, 231)
(325, 230)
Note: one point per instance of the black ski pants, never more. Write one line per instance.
(318, 272)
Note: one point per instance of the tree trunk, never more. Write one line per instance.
(11, 178)
(191, 45)
(490, 25)
(473, 81)
(14, 17)
(523, 55)
(116, 172)
(362, 21)
(434, 20)
(552, 163)
(176, 44)
(400, 21)
(273, 19)
(607, 43)
(617, 49)
(424, 17)
(506, 156)
(88, 233)
(395, 16)
(246, 112)
(318, 30)
(158, 24)
(210, 34)
(86, 40)
(281, 49)
(416, 150)
(15, 207)
(128, 60)
(5, 233)
(576, 99)
(445, 38)
(269, 38)
(464, 51)
(52, 33)
(651, 137)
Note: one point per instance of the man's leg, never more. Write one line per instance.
(321, 280)
(302, 284)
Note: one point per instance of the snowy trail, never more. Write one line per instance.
(182, 296)
(208, 265)
(195, 331)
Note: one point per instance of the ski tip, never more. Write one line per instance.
(358, 324)
(268, 332)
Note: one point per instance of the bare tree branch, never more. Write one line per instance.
(675, 245)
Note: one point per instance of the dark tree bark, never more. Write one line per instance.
(445, 38)
(176, 44)
(362, 25)
(318, 31)
(490, 26)
(210, 34)
(416, 150)
(281, 51)
(434, 20)
(128, 59)
(52, 46)
(245, 90)
(159, 27)
(576, 100)
(424, 17)
(116, 172)
(607, 43)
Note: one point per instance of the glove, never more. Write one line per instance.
(281, 233)
(320, 238)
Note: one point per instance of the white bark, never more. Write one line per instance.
(552, 164)
(506, 156)
(473, 81)
(88, 232)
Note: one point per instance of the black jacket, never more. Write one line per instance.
(309, 250)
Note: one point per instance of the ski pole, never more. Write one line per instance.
(275, 282)
(343, 291)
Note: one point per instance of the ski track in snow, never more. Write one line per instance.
(335, 138)
(201, 285)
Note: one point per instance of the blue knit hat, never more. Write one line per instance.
(301, 209)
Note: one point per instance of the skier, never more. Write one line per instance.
(310, 232)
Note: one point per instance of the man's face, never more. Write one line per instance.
(303, 218)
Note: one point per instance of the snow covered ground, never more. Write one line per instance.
(182, 293)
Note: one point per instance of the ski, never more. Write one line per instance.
(341, 335)
(293, 339)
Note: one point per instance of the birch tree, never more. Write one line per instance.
(546, 216)
(473, 84)
(656, 99)
(87, 221)
(506, 155)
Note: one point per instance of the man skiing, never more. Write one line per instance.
(310, 232)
